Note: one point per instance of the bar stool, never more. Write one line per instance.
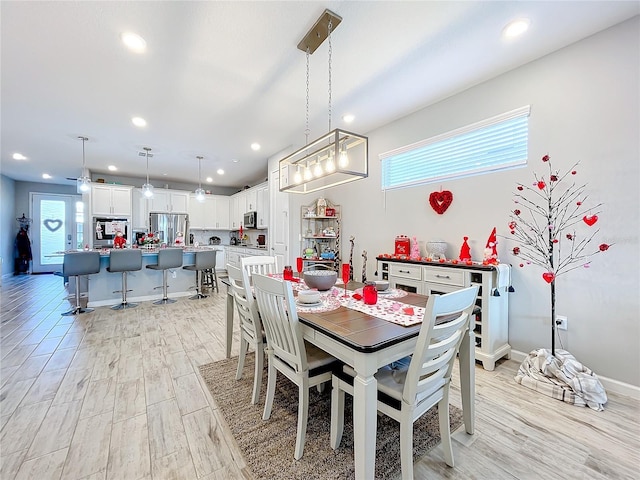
(76, 264)
(124, 260)
(210, 278)
(167, 258)
(205, 261)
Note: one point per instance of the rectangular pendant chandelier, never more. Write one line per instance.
(336, 158)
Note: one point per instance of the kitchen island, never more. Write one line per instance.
(142, 283)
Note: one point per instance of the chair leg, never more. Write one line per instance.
(215, 279)
(124, 304)
(243, 352)
(271, 389)
(406, 445)
(445, 430)
(165, 291)
(303, 415)
(337, 413)
(77, 309)
(257, 374)
(199, 293)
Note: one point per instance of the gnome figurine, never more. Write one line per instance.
(465, 251)
(490, 252)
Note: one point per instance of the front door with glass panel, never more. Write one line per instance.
(56, 221)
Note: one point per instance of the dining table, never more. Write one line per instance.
(366, 341)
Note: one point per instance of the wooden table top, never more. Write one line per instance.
(360, 331)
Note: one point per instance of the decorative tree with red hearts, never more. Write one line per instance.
(545, 222)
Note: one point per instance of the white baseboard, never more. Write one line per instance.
(610, 384)
(142, 298)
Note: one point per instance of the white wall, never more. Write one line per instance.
(584, 106)
(9, 227)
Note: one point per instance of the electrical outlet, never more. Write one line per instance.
(174, 275)
(561, 322)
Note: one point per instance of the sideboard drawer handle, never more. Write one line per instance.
(442, 276)
(404, 271)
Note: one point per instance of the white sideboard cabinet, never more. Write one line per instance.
(491, 315)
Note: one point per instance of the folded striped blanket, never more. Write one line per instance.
(562, 377)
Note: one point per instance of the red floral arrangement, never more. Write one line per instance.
(150, 239)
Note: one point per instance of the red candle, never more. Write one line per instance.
(287, 273)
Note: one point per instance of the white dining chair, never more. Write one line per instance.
(261, 264)
(250, 326)
(406, 394)
(304, 364)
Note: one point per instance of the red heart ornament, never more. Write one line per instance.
(548, 276)
(590, 219)
(440, 201)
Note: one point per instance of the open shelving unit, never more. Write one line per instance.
(320, 232)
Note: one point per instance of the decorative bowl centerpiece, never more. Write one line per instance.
(320, 279)
(437, 250)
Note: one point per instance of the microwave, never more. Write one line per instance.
(106, 229)
(250, 220)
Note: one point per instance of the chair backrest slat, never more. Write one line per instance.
(261, 264)
(245, 303)
(437, 345)
(280, 320)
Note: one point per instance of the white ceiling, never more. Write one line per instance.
(218, 76)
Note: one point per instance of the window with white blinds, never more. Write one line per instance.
(498, 143)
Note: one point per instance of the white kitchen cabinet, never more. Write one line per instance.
(111, 200)
(238, 209)
(235, 254)
(251, 199)
(221, 264)
(491, 316)
(262, 204)
(140, 211)
(200, 212)
(169, 201)
(212, 214)
(221, 208)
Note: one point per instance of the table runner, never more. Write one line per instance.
(385, 308)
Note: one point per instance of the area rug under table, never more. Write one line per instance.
(267, 446)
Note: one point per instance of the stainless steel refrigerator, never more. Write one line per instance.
(169, 226)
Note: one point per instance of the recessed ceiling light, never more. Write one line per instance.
(348, 118)
(139, 122)
(209, 179)
(46, 176)
(19, 156)
(255, 147)
(235, 160)
(112, 168)
(220, 171)
(516, 28)
(134, 42)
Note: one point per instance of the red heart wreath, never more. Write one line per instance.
(440, 201)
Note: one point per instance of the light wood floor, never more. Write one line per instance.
(116, 395)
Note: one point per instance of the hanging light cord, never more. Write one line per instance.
(147, 150)
(199, 172)
(329, 28)
(84, 165)
(306, 130)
